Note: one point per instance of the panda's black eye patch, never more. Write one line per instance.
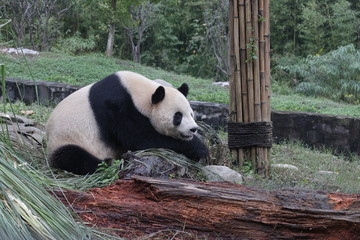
(177, 118)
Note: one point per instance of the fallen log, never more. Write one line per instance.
(218, 210)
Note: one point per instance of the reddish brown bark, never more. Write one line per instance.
(219, 210)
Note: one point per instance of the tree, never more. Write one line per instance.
(311, 26)
(38, 19)
(139, 23)
(111, 37)
(216, 18)
(327, 25)
(21, 14)
(345, 24)
(312, 29)
(285, 17)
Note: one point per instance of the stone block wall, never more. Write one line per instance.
(27, 91)
(338, 132)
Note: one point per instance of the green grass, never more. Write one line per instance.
(39, 113)
(84, 69)
(296, 102)
(309, 162)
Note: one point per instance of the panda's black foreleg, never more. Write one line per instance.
(194, 149)
(74, 159)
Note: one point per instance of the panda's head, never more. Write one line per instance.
(171, 113)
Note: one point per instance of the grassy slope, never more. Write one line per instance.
(345, 176)
(82, 70)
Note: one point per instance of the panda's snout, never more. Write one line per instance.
(193, 130)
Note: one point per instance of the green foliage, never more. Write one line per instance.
(77, 44)
(327, 25)
(321, 75)
(188, 37)
(104, 176)
(27, 210)
(312, 27)
(345, 23)
(184, 42)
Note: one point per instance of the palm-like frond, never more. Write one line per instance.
(27, 210)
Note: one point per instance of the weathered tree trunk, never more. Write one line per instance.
(111, 36)
(110, 41)
(219, 210)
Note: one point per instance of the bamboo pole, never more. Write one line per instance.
(244, 92)
(263, 97)
(266, 57)
(239, 107)
(257, 84)
(232, 93)
(232, 86)
(250, 73)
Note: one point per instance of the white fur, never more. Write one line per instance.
(72, 122)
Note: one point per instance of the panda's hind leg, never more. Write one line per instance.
(74, 159)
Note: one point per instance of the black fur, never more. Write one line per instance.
(74, 159)
(177, 118)
(184, 89)
(158, 95)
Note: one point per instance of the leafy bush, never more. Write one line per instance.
(77, 44)
(335, 75)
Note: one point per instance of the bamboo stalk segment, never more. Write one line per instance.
(250, 75)
(233, 62)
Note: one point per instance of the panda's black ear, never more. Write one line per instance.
(158, 95)
(184, 89)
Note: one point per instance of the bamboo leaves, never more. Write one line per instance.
(27, 211)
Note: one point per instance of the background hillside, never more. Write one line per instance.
(315, 44)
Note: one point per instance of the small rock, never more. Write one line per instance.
(150, 166)
(20, 51)
(287, 166)
(163, 82)
(322, 172)
(216, 173)
(222, 84)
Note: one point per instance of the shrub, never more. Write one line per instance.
(77, 44)
(335, 75)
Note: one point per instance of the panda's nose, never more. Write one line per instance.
(194, 129)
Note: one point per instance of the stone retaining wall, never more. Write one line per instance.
(27, 91)
(339, 132)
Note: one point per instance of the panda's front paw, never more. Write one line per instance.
(201, 154)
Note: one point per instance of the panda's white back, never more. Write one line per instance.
(73, 122)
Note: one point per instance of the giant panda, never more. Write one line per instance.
(124, 111)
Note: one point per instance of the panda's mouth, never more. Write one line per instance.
(187, 137)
